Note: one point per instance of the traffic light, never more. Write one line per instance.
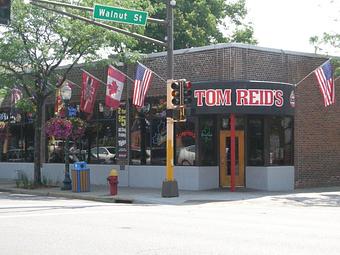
(5, 11)
(178, 95)
(176, 91)
(187, 93)
(174, 94)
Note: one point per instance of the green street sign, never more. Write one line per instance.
(121, 15)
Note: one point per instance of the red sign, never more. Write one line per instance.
(246, 97)
(243, 97)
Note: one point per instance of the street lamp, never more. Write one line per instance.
(66, 93)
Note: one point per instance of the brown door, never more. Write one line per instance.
(225, 162)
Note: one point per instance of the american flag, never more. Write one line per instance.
(324, 75)
(142, 84)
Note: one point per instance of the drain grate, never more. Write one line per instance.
(124, 201)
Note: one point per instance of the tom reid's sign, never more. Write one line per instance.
(247, 97)
(243, 97)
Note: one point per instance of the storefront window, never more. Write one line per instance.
(280, 141)
(255, 142)
(97, 146)
(207, 141)
(158, 141)
(185, 147)
(16, 136)
(148, 133)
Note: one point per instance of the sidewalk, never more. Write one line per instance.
(136, 195)
(153, 196)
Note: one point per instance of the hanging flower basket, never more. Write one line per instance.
(58, 128)
(78, 128)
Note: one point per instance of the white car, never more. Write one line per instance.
(186, 156)
(104, 154)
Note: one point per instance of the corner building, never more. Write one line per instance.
(285, 137)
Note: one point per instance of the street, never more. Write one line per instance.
(266, 225)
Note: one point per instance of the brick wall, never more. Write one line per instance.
(317, 136)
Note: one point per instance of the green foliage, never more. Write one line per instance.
(26, 105)
(327, 40)
(199, 23)
(37, 42)
(336, 65)
(24, 182)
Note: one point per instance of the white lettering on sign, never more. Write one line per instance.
(213, 97)
(137, 17)
(244, 97)
(259, 97)
(113, 14)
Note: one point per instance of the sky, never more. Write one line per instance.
(288, 24)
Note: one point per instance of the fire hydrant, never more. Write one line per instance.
(113, 182)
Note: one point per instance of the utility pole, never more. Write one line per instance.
(170, 186)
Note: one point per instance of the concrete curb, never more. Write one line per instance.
(65, 194)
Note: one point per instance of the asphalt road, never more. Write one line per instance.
(269, 225)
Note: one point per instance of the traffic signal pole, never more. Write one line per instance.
(170, 186)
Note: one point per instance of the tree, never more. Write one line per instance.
(37, 42)
(325, 41)
(200, 22)
(328, 40)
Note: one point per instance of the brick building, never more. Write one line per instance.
(280, 148)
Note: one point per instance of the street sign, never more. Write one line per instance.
(118, 14)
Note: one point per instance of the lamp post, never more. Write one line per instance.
(66, 93)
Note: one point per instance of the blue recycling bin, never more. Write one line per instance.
(80, 177)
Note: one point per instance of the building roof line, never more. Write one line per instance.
(234, 45)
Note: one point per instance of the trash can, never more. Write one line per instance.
(113, 182)
(80, 177)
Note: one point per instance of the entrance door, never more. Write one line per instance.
(225, 160)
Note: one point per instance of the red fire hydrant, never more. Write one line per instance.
(113, 182)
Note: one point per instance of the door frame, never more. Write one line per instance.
(225, 181)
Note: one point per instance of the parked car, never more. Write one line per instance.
(104, 154)
(58, 145)
(19, 155)
(186, 156)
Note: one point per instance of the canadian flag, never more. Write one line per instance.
(114, 88)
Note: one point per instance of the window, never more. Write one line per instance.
(280, 141)
(255, 139)
(185, 147)
(148, 133)
(207, 141)
(97, 146)
(16, 137)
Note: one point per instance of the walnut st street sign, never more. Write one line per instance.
(121, 15)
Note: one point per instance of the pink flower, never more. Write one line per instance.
(58, 128)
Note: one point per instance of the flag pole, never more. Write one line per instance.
(160, 77)
(311, 72)
(122, 73)
(104, 83)
(73, 83)
(337, 78)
